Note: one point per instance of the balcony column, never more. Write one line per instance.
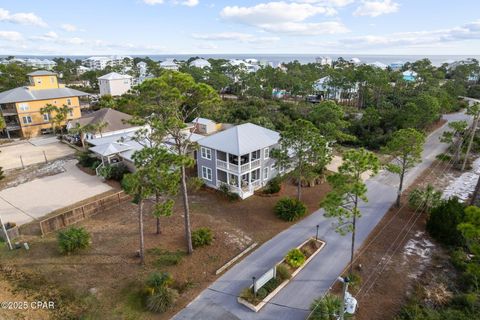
(228, 161)
(250, 161)
(239, 161)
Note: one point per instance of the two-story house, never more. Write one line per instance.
(239, 158)
(20, 107)
(114, 84)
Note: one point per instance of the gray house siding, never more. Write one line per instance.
(265, 163)
(201, 162)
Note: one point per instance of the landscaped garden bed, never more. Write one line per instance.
(268, 285)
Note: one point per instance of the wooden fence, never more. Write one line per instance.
(85, 211)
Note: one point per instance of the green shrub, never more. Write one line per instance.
(443, 221)
(283, 273)
(202, 237)
(161, 300)
(73, 239)
(271, 284)
(114, 172)
(444, 157)
(86, 159)
(424, 199)
(95, 164)
(262, 293)
(195, 183)
(166, 258)
(326, 308)
(290, 209)
(355, 281)
(231, 196)
(295, 258)
(158, 280)
(273, 186)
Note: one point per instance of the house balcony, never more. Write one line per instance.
(12, 126)
(9, 112)
(239, 169)
(245, 191)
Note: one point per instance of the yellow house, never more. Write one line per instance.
(20, 107)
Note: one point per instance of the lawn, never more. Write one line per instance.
(103, 281)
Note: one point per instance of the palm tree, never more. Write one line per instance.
(82, 131)
(100, 126)
(50, 109)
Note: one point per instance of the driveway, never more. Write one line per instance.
(293, 302)
(32, 152)
(32, 200)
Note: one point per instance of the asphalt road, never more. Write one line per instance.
(292, 303)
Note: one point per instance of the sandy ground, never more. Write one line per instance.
(337, 162)
(32, 153)
(7, 294)
(34, 199)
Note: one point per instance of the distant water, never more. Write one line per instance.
(302, 58)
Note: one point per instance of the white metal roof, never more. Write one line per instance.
(114, 76)
(203, 121)
(110, 149)
(241, 139)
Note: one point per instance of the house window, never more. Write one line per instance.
(70, 112)
(266, 153)
(69, 102)
(206, 153)
(207, 173)
(265, 173)
(23, 106)
(272, 167)
(52, 79)
(27, 119)
(39, 81)
(46, 117)
(256, 175)
(255, 155)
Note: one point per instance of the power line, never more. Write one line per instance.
(392, 246)
(380, 232)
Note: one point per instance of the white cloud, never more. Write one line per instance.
(153, 2)
(287, 17)
(376, 8)
(234, 36)
(187, 3)
(69, 27)
(10, 36)
(273, 12)
(21, 18)
(469, 31)
(328, 3)
(313, 28)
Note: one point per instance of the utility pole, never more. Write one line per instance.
(345, 282)
(6, 234)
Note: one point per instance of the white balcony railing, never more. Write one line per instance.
(234, 168)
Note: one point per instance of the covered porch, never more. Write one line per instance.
(242, 184)
(238, 164)
(109, 154)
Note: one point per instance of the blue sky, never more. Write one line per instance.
(88, 27)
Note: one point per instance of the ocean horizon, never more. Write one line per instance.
(279, 58)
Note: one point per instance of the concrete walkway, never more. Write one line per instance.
(293, 302)
(32, 200)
